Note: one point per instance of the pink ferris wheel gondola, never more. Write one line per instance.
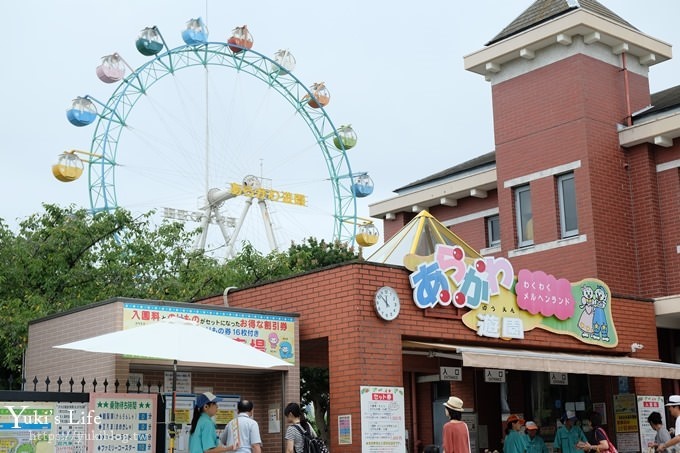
(112, 69)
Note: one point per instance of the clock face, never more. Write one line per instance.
(387, 303)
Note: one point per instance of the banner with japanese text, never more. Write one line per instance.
(269, 333)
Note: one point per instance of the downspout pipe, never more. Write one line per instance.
(224, 295)
(626, 83)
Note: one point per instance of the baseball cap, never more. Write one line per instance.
(205, 398)
(515, 418)
(531, 425)
(673, 400)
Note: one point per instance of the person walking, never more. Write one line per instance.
(243, 431)
(535, 443)
(569, 435)
(515, 441)
(601, 438)
(455, 434)
(295, 440)
(673, 406)
(662, 434)
(203, 434)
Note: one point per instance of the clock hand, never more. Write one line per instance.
(384, 298)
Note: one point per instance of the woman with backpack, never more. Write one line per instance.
(295, 439)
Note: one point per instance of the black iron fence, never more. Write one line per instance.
(82, 386)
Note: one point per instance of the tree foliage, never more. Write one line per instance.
(315, 390)
(64, 258)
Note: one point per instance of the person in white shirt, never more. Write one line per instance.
(673, 406)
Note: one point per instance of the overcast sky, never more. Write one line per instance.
(394, 70)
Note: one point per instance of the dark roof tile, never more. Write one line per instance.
(477, 162)
(544, 10)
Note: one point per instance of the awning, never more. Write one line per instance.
(559, 362)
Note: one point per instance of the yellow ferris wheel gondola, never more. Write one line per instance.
(68, 168)
(367, 235)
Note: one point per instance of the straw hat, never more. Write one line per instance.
(454, 403)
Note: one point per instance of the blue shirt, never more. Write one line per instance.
(536, 445)
(205, 436)
(515, 442)
(566, 439)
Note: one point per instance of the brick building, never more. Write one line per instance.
(583, 185)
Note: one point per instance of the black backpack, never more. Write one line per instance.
(312, 444)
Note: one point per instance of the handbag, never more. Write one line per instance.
(612, 448)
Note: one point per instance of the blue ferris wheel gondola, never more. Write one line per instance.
(82, 112)
(362, 185)
(196, 32)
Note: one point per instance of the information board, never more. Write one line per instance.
(383, 428)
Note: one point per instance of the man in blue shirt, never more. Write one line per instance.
(535, 443)
(247, 429)
(568, 435)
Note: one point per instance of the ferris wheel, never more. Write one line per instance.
(238, 130)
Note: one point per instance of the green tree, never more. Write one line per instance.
(315, 390)
(64, 258)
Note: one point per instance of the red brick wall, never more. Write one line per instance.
(337, 303)
(668, 182)
(558, 114)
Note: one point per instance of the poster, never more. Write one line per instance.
(27, 426)
(382, 419)
(645, 406)
(272, 334)
(122, 419)
(44, 427)
(345, 429)
(626, 422)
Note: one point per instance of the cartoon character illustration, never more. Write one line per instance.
(285, 350)
(273, 341)
(585, 322)
(600, 326)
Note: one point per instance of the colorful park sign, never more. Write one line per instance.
(273, 334)
(505, 305)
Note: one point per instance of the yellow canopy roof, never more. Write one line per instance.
(416, 240)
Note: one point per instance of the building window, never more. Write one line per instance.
(524, 216)
(567, 199)
(493, 231)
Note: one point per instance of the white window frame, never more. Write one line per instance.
(490, 242)
(521, 240)
(564, 233)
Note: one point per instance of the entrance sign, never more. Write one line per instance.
(450, 373)
(559, 379)
(503, 304)
(493, 375)
(383, 426)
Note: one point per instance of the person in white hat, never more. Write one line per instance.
(673, 406)
(455, 435)
(535, 443)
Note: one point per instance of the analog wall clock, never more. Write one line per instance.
(386, 303)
